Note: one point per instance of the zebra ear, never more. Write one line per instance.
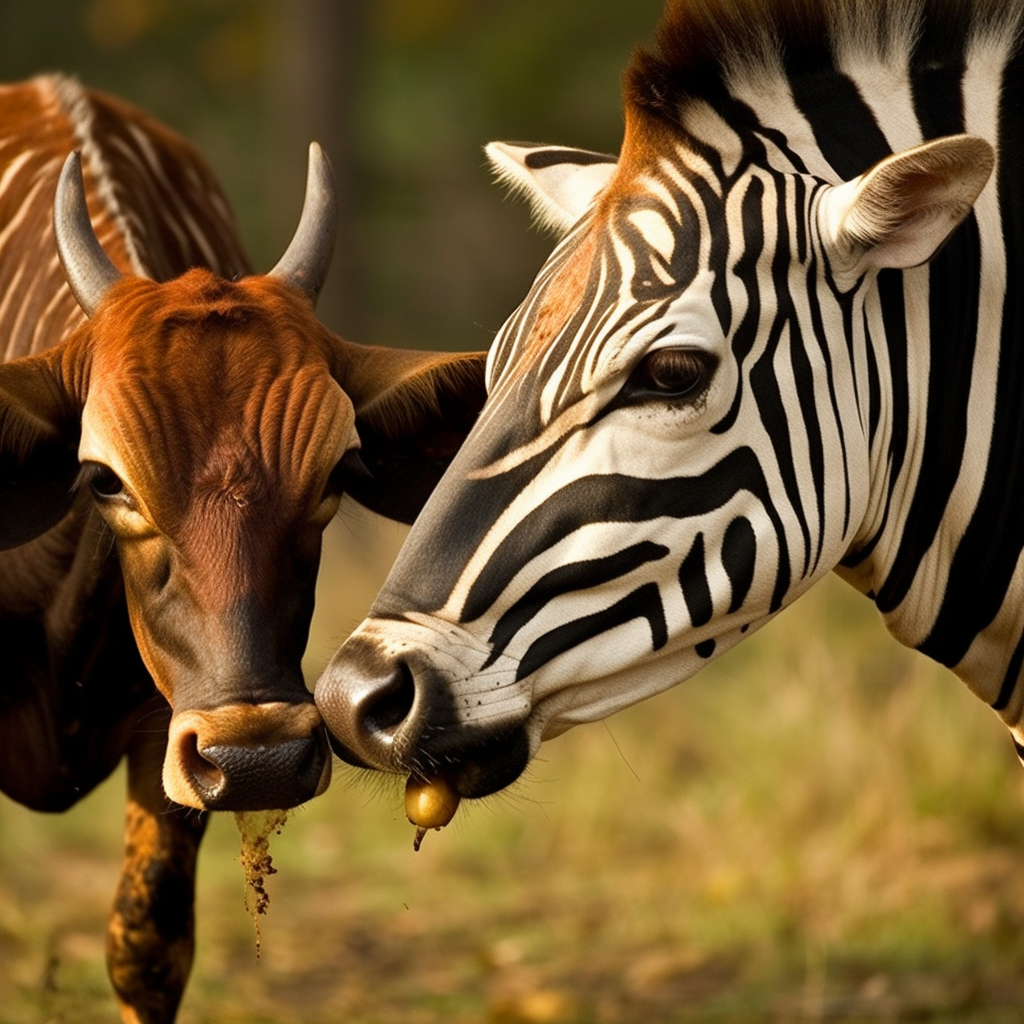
(561, 183)
(900, 212)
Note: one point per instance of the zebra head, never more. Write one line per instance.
(675, 444)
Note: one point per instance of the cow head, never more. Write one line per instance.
(214, 425)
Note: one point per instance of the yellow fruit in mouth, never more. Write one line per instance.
(429, 803)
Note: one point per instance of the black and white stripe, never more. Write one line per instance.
(596, 541)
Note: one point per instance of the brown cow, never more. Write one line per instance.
(174, 437)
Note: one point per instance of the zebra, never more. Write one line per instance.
(778, 337)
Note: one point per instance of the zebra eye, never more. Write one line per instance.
(674, 372)
(102, 481)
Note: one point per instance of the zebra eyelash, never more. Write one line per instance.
(674, 376)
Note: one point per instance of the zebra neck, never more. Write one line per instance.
(942, 390)
(940, 383)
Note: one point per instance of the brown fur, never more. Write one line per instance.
(152, 919)
(222, 406)
(561, 297)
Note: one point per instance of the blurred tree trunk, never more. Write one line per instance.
(317, 48)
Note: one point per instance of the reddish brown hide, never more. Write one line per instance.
(167, 467)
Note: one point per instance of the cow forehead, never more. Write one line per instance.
(212, 393)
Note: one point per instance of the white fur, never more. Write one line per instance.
(560, 193)
(900, 212)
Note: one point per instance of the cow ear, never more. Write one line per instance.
(39, 429)
(413, 411)
(903, 209)
(560, 183)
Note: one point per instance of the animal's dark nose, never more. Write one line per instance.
(366, 700)
(247, 757)
(395, 715)
(245, 778)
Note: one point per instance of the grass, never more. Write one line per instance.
(819, 827)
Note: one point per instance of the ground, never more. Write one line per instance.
(821, 826)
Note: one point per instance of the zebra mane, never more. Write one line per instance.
(702, 45)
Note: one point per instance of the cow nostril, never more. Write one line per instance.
(392, 703)
(207, 775)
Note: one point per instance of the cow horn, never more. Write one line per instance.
(307, 259)
(88, 269)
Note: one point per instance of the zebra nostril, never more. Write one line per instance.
(391, 704)
(369, 701)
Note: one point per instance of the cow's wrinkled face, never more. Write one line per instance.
(211, 439)
(214, 423)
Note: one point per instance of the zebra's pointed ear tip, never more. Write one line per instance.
(505, 159)
(975, 145)
(982, 153)
(959, 165)
(984, 145)
(508, 165)
(975, 155)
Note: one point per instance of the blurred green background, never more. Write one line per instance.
(401, 93)
(821, 826)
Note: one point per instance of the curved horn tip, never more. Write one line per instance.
(87, 267)
(307, 259)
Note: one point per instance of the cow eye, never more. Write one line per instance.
(102, 480)
(674, 372)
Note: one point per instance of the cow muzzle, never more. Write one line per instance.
(247, 757)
